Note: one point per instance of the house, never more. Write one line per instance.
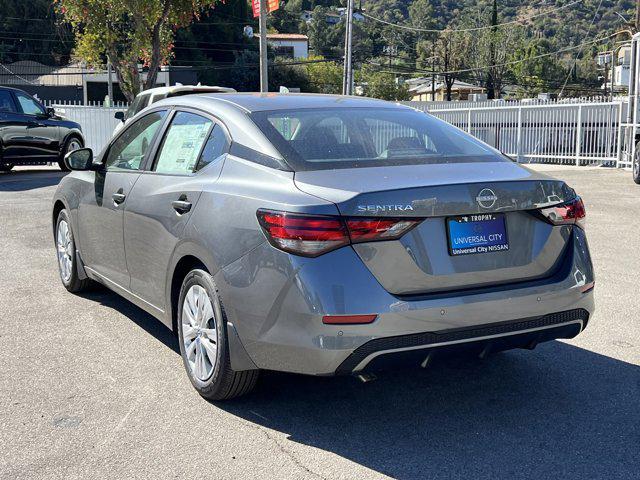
(421, 90)
(76, 82)
(621, 68)
(288, 45)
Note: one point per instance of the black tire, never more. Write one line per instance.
(65, 150)
(636, 165)
(74, 284)
(224, 383)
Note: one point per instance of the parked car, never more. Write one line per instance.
(31, 134)
(321, 235)
(149, 97)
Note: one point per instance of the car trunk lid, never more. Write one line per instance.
(443, 195)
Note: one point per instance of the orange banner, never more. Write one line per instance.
(271, 6)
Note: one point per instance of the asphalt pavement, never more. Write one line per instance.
(92, 387)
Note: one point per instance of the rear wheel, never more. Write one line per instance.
(636, 164)
(66, 253)
(73, 143)
(202, 331)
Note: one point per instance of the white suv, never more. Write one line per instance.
(147, 97)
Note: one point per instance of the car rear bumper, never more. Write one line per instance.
(422, 348)
(276, 303)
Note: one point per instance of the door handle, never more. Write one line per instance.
(181, 206)
(118, 197)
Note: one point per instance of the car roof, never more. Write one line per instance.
(254, 102)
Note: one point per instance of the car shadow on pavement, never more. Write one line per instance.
(142, 319)
(22, 180)
(557, 412)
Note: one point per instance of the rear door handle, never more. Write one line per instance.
(118, 197)
(181, 206)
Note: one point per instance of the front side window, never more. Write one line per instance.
(183, 143)
(328, 138)
(28, 105)
(129, 149)
(6, 102)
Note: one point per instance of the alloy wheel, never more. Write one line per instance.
(199, 333)
(64, 246)
(73, 145)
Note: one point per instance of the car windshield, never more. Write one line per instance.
(320, 139)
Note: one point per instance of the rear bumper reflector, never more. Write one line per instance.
(348, 319)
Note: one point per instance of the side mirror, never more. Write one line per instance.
(81, 159)
(51, 112)
(119, 116)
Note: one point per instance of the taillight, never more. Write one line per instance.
(313, 235)
(570, 213)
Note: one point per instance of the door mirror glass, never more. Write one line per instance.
(51, 112)
(81, 159)
(119, 116)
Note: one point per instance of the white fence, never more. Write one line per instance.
(581, 133)
(97, 122)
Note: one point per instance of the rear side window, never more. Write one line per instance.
(183, 143)
(6, 102)
(320, 139)
(216, 146)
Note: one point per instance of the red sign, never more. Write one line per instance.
(271, 6)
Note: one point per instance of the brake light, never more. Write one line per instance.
(313, 235)
(570, 213)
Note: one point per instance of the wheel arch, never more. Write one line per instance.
(58, 206)
(183, 264)
(182, 267)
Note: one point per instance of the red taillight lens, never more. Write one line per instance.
(313, 235)
(309, 235)
(569, 213)
(372, 229)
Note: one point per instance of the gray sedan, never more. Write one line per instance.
(321, 235)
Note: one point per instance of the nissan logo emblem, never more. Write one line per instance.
(486, 198)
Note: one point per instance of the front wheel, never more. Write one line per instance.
(202, 332)
(636, 164)
(73, 143)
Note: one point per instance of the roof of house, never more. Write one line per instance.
(285, 36)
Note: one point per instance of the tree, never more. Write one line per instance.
(43, 40)
(532, 74)
(382, 85)
(324, 76)
(450, 54)
(127, 32)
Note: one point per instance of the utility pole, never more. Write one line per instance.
(433, 69)
(264, 71)
(109, 82)
(347, 79)
(491, 92)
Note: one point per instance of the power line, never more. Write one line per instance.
(575, 60)
(515, 62)
(471, 29)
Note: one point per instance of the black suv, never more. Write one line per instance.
(31, 134)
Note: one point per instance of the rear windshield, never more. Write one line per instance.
(321, 139)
